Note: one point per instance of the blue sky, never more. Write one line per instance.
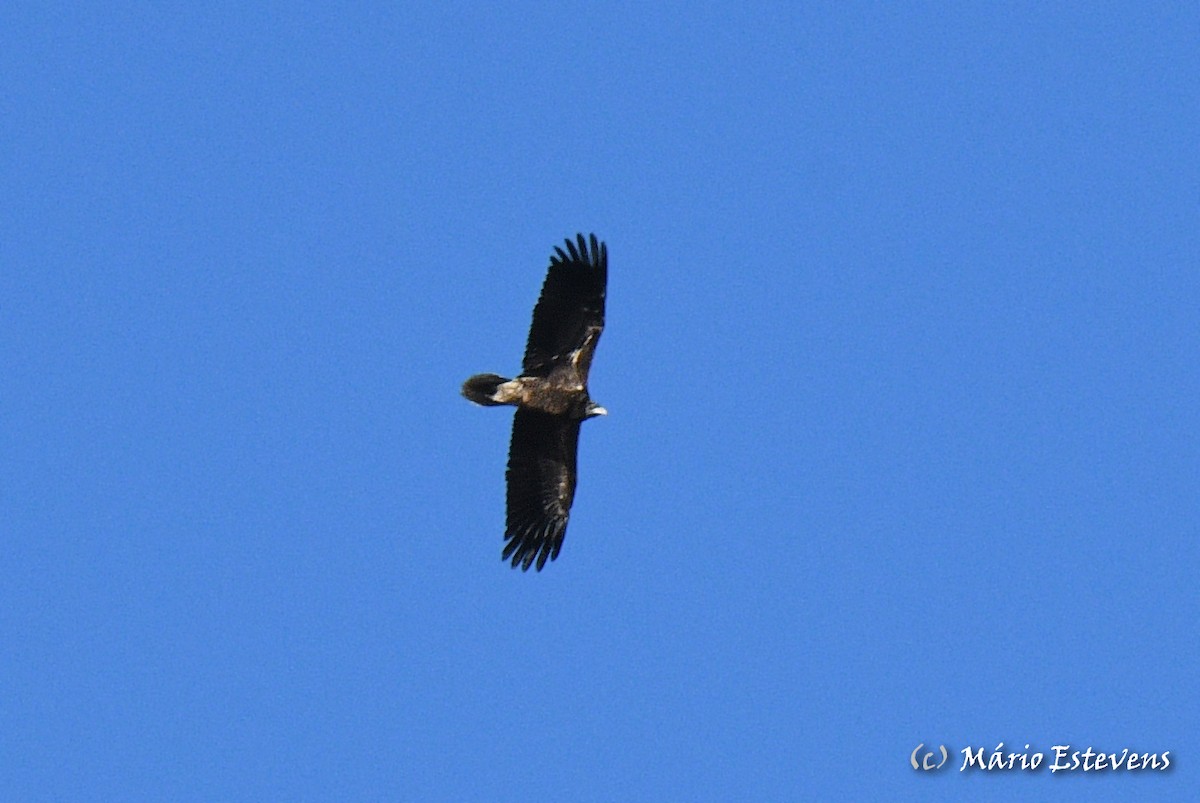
(901, 365)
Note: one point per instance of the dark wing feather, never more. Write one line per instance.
(569, 315)
(541, 486)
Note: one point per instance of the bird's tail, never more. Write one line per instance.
(484, 389)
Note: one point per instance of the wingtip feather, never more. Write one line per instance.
(589, 250)
(534, 544)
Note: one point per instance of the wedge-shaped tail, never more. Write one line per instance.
(484, 389)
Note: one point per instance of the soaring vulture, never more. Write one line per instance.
(551, 398)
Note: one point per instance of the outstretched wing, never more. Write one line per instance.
(541, 486)
(569, 315)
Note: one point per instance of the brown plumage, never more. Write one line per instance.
(552, 400)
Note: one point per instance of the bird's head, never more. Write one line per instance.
(593, 410)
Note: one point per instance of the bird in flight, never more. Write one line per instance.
(551, 398)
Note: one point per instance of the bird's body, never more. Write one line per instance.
(552, 400)
(529, 392)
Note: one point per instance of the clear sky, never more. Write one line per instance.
(901, 367)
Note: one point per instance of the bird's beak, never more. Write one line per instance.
(599, 411)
